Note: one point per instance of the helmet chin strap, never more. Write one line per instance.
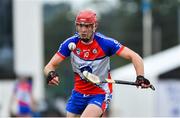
(94, 28)
(86, 40)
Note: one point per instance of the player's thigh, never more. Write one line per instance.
(70, 115)
(92, 110)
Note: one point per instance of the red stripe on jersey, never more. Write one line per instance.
(90, 51)
(103, 107)
(120, 50)
(110, 84)
(86, 87)
(59, 54)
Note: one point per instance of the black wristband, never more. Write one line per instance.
(51, 75)
(140, 77)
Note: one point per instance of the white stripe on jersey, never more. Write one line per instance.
(99, 67)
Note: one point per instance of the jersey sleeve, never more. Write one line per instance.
(63, 50)
(113, 46)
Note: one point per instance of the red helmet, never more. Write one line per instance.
(86, 16)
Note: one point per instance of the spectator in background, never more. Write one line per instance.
(23, 98)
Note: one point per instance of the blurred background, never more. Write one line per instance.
(32, 30)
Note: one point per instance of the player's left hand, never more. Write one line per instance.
(53, 78)
(143, 82)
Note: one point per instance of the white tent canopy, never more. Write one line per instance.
(130, 101)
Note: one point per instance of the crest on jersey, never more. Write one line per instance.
(86, 54)
(78, 51)
(94, 51)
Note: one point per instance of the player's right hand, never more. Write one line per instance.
(142, 81)
(53, 78)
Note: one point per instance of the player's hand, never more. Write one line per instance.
(53, 78)
(143, 82)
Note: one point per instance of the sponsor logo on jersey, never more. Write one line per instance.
(84, 95)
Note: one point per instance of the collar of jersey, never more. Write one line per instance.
(88, 42)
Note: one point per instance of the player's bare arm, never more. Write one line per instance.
(135, 58)
(49, 70)
(138, 65)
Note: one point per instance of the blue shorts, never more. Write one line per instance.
(78, 102)
(24, 110)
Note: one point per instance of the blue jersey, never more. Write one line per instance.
(94, 57)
